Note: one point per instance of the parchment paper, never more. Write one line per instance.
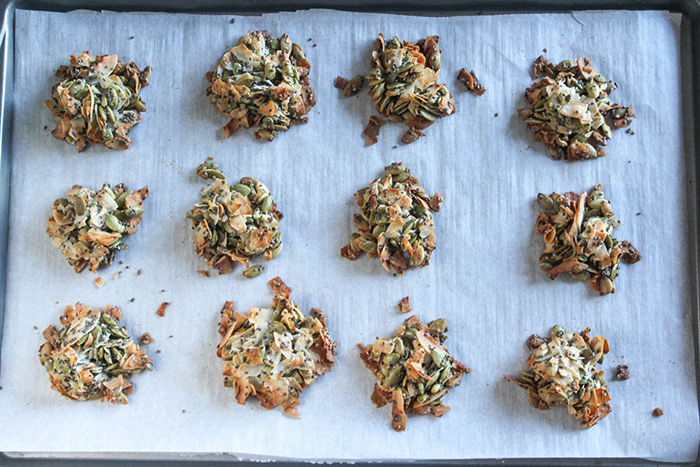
(483, 277)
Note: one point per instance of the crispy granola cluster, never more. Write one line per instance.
(563, 370)
(97, 100)
(568, 107)
(403, 83)
(274, 353)
(395, 221)
(579, 240)
(414, 370)
(89, 226)
(91, 356)
(262, 81)
(234, 223)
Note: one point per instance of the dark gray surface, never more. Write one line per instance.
(690, 45)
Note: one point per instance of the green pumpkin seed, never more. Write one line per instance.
(254, 271)
(267, 204)
(438, 326)
(391, 359)
(79, 206)
(113, 223)
(134, 212)
(394, 377)
(242, 189)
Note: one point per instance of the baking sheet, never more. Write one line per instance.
(483, 277)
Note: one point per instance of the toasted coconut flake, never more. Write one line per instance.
(563, 370)
(436, 201)
(579, 239)
(414, 370)
(262, 81)
(371, 132)
(161, 309)
(405, 305)
(569, 106)
(90, 227)
(97, 100)
(91, 357)
(274, 353)
(235, 223)
(340, 82)
(99, 282)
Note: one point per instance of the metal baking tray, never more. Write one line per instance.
(690, 56)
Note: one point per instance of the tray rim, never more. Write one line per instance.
(689, 9)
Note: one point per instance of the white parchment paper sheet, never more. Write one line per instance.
(483, 277)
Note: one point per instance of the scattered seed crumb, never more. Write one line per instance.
(435, 202)
(371, 131)
(629, 131)
(99, 282)
(496, 114)
(622, 373)
(161, 309)
(233, 20)
(183, 410)
(657, 412)
(309, 39)
(158, 351)
(313, 45)
(394, 147)
(132, 300)
(46, 128)
(544, 50)
(138, 273)
(126, 267)
(639, 213)
(120, 262)
(170, 336)
(204, 273)
(36, 328)
(350, 87)
(411, 136)
(162, 290)
(146, 338)
(405, 305)
(471, 81)
(131, 37)
(116, 275)
(468, 370)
